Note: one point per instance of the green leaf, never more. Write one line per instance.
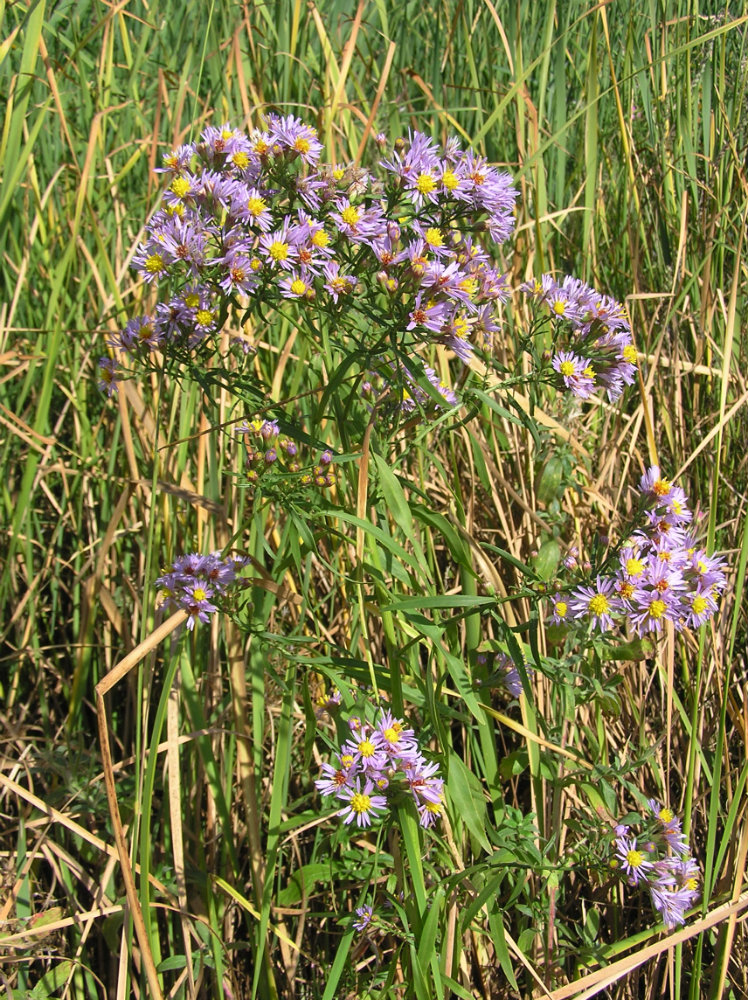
(466, 794)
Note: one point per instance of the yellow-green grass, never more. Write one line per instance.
(625, 127)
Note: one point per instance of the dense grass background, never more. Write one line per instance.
(625, 126)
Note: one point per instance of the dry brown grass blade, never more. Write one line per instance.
(717, 429)
(345, 62)
(26, 938)
(75, 828)
(597, 981)
(102, 688)
(28, 435)
(175, 816)
(375, 103)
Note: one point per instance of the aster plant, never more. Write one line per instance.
(660, 573)
(394, 279)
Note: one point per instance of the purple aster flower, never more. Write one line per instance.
(362, 805)
(670, 903)
(424, 782)
(251, 206)
(108, 368)
(575, 373)
(194, 579)
(338, 284)
(633, 862)
(365, 916)
(278, 249)
(177, 160)
(650, 610)
(596, 604)
(327, 702)
(560, 613)
(428, 313)
(369, 750)
(670, 828)
(397, 740)
(698, 607)
(654, 488)
(184, 241)
(151, 260)
(239, 276)
(429, 813)
(296, 136)
(295, 285)
(334, 779)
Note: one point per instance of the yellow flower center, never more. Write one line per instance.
(433, 237)
(203, 317)
(634, 567)
(634, 858)
(338, 173)
(256, 206)
(192, 301)
(155, 263)
(350, 215)
(567, 368)
(629, 354)
(302, 145)
(199, 594)
(661, 487)
(180, 186)
(240, 159)
(665, 814)
(699, 605)
(392, 735)
(450, 180)
(366, 748)
(360, 803)
(599, 605)
(561, 608)
(320, 239)
(657, 609)
(298, 287)
(425, 183)
(278, 250)
(559, 307)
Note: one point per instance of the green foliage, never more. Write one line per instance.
(625, 127)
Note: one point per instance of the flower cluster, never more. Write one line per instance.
(194, 580)
(266, 448)
(661, 574)
(662, 864)
(592, 339)
(379, 758)
(258, 219)
(505, 671)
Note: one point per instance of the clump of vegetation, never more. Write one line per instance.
(383, 561)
